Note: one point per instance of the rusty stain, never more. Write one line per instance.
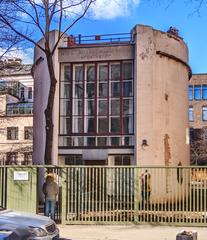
(167, 150)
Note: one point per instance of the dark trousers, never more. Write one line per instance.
(146, 199)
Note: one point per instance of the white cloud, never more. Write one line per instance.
(25, 54)
(109, 9)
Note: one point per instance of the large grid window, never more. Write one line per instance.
(96, 104)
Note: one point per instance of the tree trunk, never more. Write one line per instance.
(49, 110)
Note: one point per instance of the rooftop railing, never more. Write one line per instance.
(121, 38)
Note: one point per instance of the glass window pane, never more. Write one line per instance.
(90, 73)
(190, 93)
(65, 125)
(204, 113)
(103, 90)
(65, 90)
(115, 141)
(91, 141)
(103, 125)
(102, 141)
(127, 106)
(67, 73)
(204, 92)
(128, 141)
(115, 71)
(190, 114)
(78, 91)
(115, 107)
(65, 107)
(65, 141)
(77, 125)
(127, 70)
(102, 107)
(103, 72)
(90, 125)
(77, 107)
(127, 89)
(90, 90)
(115, 89)
(78, 73)
(77, 141)
(128, 124)
(90, 107)
(115, 125)
(197, 92)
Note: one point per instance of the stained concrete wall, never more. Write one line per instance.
(161, 103)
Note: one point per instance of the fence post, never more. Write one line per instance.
(136, 194)
(64, 196)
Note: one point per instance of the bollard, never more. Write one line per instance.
(186, 235)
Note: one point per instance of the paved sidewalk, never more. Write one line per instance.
(126, 232)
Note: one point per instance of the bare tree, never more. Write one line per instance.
(198, 147)
(40, 17)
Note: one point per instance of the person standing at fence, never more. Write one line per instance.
(146, 189)
(50, 190)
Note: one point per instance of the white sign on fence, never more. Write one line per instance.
(21, 175)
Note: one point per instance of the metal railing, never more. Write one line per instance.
(98, 39)
(115, 195)
(19, 109)
(10, 87)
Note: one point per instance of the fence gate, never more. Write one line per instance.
(22, 189)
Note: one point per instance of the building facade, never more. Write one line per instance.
(16, 113)
(197, 95)
(117, 100)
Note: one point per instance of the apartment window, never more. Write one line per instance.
(11, 158)
(28, 133)
(30, 93)
(27, 158)
(197, 92)
(12, 133)
(22, 93)
(204, 92)
(191, 114)
(190, 92)
(204, 113)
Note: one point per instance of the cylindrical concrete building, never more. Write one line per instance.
(117, 102)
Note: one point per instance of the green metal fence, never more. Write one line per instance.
(128, 194)
(165, 195)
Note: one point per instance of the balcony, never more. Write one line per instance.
(10, 87)
(121, 38)
(13, 109)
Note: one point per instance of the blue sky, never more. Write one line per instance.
(192, 26)
(120, 16)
